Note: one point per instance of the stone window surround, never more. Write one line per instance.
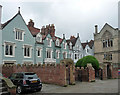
(107, 56)
(105, 43)
(58, 53)
(64, 52)
(9, 61)
(49, 49)
(39, 49)
(57, 42)
(9, 43)
(20, 30)
(30, 53)
(49, 43)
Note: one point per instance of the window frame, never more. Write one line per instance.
(29, 53)
(13, 49)
(19, 34)
(40, 52)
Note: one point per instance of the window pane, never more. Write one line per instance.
(25, 51)
(16, 34)
(11, 50)
(28, 52)
(38, 52)
(6, 50)
(111, 43)
(20, 35)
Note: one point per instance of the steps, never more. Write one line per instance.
(3, 88)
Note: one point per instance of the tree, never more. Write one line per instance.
(88, 59)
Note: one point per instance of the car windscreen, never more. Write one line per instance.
(31, 76)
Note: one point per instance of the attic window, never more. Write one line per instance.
(70, 45)
(57, 42)
(19, 34)
(64, 45)
(39, 39)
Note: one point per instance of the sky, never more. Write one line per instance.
(69, 16)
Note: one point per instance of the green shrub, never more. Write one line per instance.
(88, 59)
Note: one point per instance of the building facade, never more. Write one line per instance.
(26, 44)
(107, 44)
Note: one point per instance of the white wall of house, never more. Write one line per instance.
(88, 51)
(77, 51)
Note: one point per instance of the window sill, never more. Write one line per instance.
(19, 40)
(26, 57)
(9, 56)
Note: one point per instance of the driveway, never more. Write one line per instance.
(100, 86)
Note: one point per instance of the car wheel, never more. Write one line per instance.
(39, 89)
(19, 90)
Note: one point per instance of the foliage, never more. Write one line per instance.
(88, 59)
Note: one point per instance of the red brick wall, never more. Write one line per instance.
(87, 74)
(91, 73)
(114, 72)
(47, 74)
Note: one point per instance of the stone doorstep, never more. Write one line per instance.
(4, 93)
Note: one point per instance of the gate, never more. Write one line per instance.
(108, 72)
(83, 75)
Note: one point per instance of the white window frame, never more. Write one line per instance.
(65, 54)
(57, 42)
(30, 49)
(58, 54)
(13, 49)
(39, 38)
(70, 45)
(49, 45)
(40, 50)
(64, 45)
(49, 55)
(20, 31)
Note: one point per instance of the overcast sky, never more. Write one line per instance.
(69, 16)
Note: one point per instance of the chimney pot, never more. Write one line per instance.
(96, 29)
(77, 34)
(63, 36)
(0, 15)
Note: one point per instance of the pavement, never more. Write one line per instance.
(99, 86)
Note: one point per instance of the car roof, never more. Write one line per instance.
(23, 72)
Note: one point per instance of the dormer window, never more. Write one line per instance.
(64, 45)
(19, 34)
(70, 45)
(49, 42)
(57, 42)
(39, 38)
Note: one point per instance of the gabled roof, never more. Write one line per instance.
(90, 44)
(6, 23)
(106, 24)
(73, 41)
(34, 31)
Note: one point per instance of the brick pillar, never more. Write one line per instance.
(91, 73)
(72, 76)
(104, 72)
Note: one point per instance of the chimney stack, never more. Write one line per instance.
(96, 29)
(63, 36)
(0, 15)
(78, 35)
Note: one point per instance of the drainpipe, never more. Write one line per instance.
(35, 52)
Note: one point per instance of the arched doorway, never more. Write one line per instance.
(108, 71)
(70, 77)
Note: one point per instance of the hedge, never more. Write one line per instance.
(88, 59)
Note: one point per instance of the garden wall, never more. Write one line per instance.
(85, 74)
(48, 74)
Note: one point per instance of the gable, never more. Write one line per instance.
(18, 23)
(106, 28)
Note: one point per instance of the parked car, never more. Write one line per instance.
(26, 81)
